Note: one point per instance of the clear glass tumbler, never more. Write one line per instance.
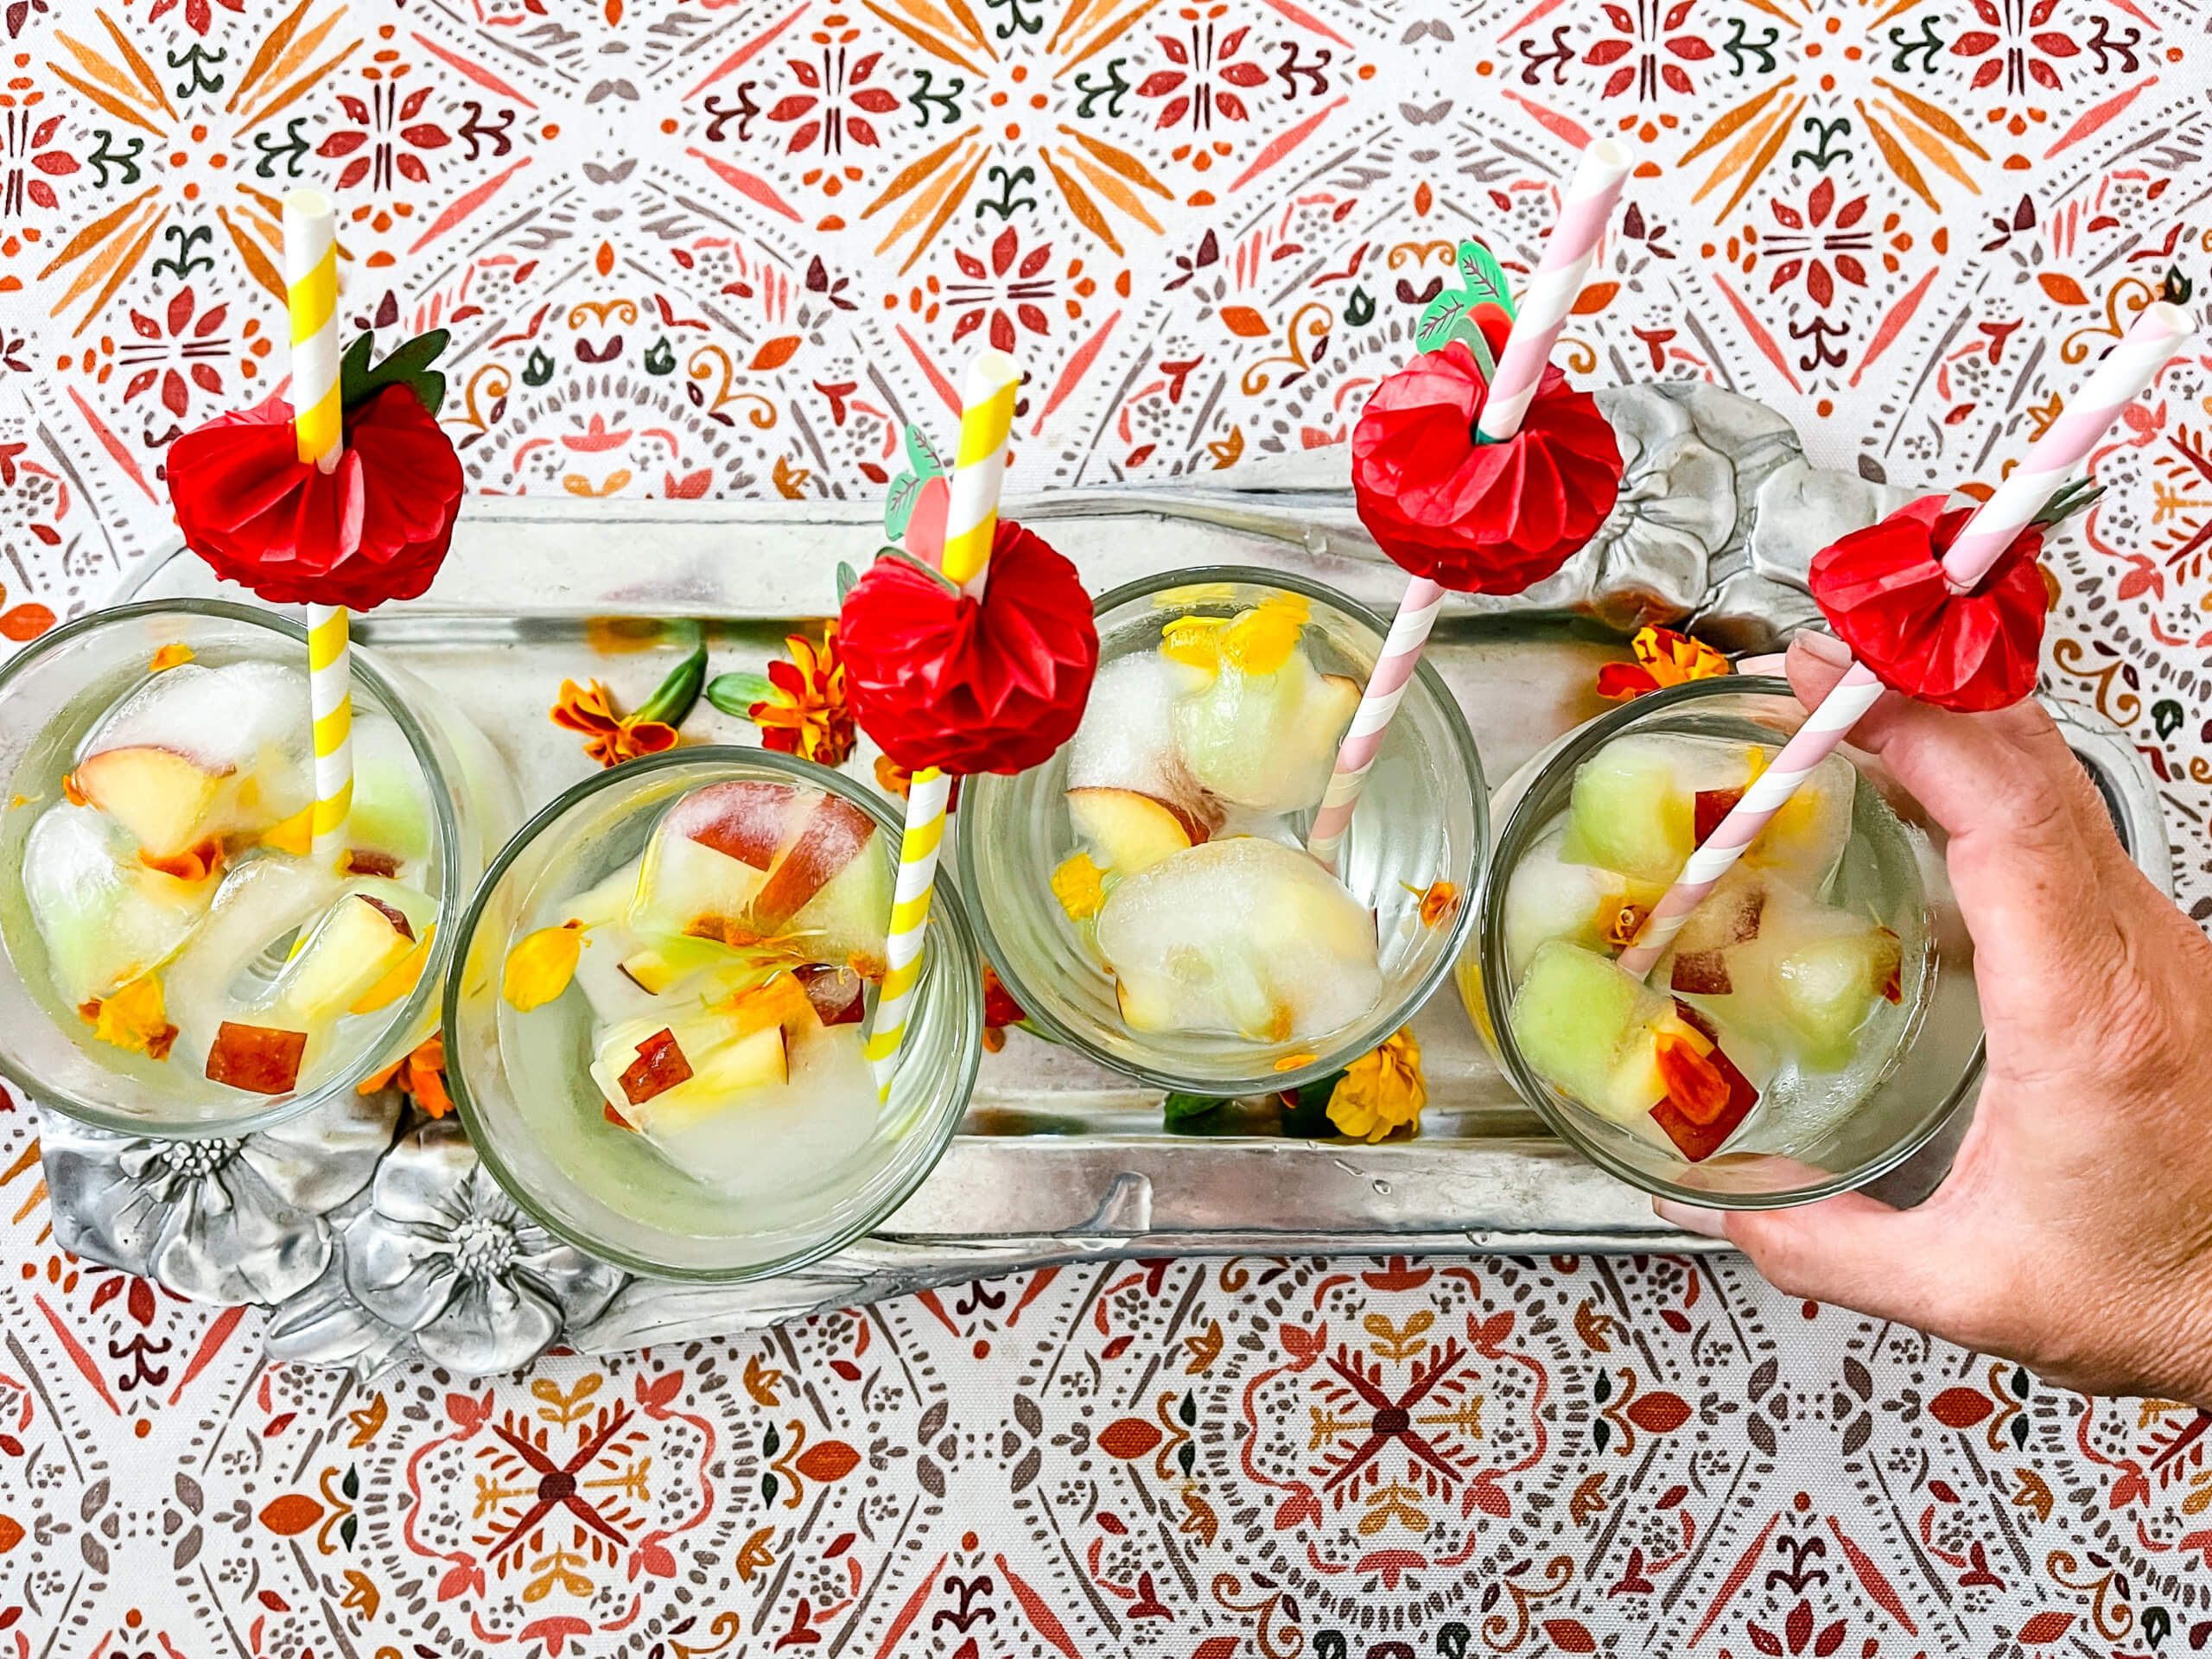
(525, 1093)
(53, 695)
(1933, 1066)
(1421, 821)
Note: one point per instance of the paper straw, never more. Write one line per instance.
(926, 797)
(1540, 314)
(971, 517)
(1386, 688)
(318, 421)
(2132, 365)
(971, 523)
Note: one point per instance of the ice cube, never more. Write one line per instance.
(1267, 741)
(1552, 899)
(1803, 983)
(247, 722)
(104, 917)
(1635, 806)
(1803, 841)
(1127, 739)
(235, 956)
(762, 1111)
(1240, 937)
(392, 813)
(1590, 1027)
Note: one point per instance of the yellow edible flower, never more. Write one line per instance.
(133, 1018)
(1382, 1091)
(1080, 886)
(540, 968)
(1663, 658)
(1260, 640)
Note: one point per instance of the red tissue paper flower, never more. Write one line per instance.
(996, 684)
(1488, 517)
(375, 528)
(1884, 592)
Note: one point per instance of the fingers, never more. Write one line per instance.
(1851, 1250)
(2027, 859)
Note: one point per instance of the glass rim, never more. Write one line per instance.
(944, 903)
(406, 1012)
(1519, 828)
(1372, 1032)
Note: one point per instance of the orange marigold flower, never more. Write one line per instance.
(609, 739)
(421, 1075)
(1663, 658)
(805, 712)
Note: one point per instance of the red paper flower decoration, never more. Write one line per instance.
(940, 679)
(375, 528)
(1480, 518)
(1882, 590)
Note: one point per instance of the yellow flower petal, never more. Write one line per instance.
(1382, 1091)
(1079, 886)
(135, 1018)
(540, 968)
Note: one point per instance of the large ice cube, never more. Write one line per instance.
(1591, 1028)
(238, 951)
(391, 811)
(765, 1111)
(1803, 841)
(104, 917)
(246, 723)
(1552, 898)
(1240, 937)
(1127, 739)
(1800, 979)
(1635, 803)
(1266, 741)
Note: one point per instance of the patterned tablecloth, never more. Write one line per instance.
(726, 247)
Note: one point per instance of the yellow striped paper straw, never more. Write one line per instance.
(971, 518)
(910, 920)
(319, 422)
(971, 522)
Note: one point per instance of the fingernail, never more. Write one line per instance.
(1772, 663)
(1824, 647)
(1713, 1223)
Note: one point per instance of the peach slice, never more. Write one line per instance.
(159, 796)
(836, 833)
(358, 941)
(1132, 832)
(659, 1067)
(744, 819)
(257, 1058)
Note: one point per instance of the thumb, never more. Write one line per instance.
(1852, 1250)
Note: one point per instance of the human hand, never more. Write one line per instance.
(2074, 1232)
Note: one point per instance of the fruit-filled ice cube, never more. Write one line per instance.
(1262, 731)
(1243, 938)
(1628, 1053)
(1550, 897)
(1643, 803)
(724, 975)
(1127, 738)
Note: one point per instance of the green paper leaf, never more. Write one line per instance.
(1483, 278)
(677, 696)
(408, 364)
(734, 694)
(846, 577)
(921, 456)
(899, 504)
(1179, 1109)
(1439, 324)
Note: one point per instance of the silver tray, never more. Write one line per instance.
(1058, 1159)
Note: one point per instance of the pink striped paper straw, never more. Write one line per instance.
(1541, 313)
(2158, 333)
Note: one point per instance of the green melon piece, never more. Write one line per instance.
(1586, 1025)
(1627, 814)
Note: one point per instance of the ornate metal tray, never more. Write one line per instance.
(374, 1236)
